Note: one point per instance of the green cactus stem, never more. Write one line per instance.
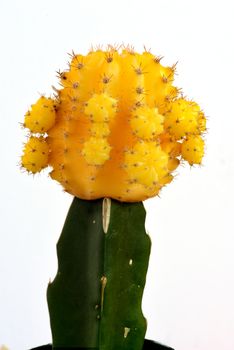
(95, 299)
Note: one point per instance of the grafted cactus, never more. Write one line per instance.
(113, 135)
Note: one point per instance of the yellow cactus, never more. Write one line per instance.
(117, 128)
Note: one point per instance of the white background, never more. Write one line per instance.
(189, 296)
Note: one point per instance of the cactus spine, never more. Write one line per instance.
(95, 299)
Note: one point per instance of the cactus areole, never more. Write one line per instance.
(112, 135)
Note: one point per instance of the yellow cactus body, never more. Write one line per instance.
(119, 128)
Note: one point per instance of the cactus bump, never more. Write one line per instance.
(113, 135)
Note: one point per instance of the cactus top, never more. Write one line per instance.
(116, 128)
